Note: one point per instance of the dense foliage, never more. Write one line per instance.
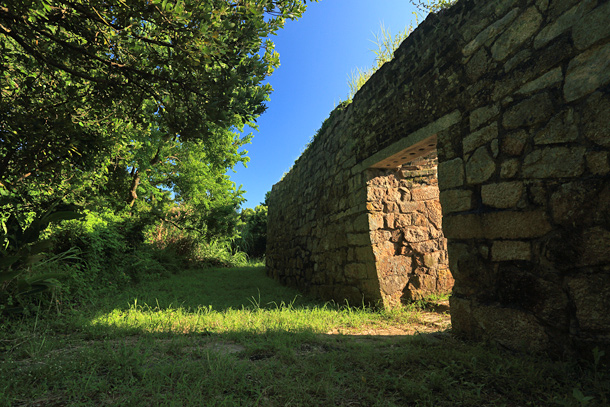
(131, 110)
(253, 231)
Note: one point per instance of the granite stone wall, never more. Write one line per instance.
(406, 231)
(514, 96)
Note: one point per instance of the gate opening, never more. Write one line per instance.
(405, 221)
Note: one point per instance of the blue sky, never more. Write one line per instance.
(317, 54)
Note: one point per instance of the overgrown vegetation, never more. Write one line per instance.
(229, 337)
(127, 115)
(385, 43)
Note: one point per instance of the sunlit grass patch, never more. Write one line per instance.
(252, 319)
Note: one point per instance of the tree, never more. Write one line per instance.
(253, 231)
(91, 87)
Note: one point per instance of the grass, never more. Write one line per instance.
(233, 337)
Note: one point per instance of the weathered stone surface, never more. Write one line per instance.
(547, 80)
(554, 162)
(478, 64)
(482, 115)
(591, 296)
(575, 203)
(562, 24)
(510, 327)
(356, 271)
(587, 72)
(592, 27)
(597, 162)
(595, 247)
(480, 137)
(531, 111)
(424, 193)
(376, 221)
(514, 143)
(596, 116)
(504, 250)
(451, 173)
(520, 31)
(503, 194)
(561, 129)
(490, 33)
(521, 56)
(480, 167)
(509, 168)
(360, 239)
(497, 225)
(456, 200)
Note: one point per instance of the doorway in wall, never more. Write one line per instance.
(405, 220)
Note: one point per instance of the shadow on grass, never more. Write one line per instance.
(235, 337)
(221, 289)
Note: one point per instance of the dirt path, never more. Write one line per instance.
(436, 319)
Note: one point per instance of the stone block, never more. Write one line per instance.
(591, 296)
(389, 219)
(390, 207)
(512, 328)
(558, 27)
(520, 57)
(522, 29)
(402, 221)
(364, 254)
(592, 27)
(425, 193)
(561, 129)
(531, 111)
(451, 174)
(595, 118)
(376, 194)
(416, 234)
(597, 162)
(379, 236)
(587, 72)
(595, 247)
(478, 65)
(514, 143)
(431, 259)
(456, 200)
(497, 225)
(503, 194)
(480, 137)
(409, 207)
(554, 162)
(374, 206)
(376, 221)
(480, 167)
(505, 250)
(547, 80)
(483, 115)
(358, 239)
(489, 33)
(509, 168)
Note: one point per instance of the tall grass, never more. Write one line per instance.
(385, 44)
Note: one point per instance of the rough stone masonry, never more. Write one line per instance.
(513, 97)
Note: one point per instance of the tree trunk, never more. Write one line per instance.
(135, 181)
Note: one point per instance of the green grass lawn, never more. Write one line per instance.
(233, 337)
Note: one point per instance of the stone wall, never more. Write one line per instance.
(406, 231)
(515, 97)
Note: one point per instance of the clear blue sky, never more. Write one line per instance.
(317, 54)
